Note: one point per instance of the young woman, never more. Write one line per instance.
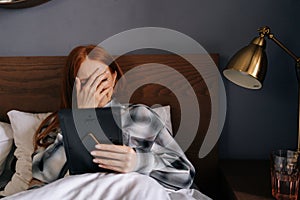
(148, 149)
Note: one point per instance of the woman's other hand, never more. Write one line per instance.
(115, 157)
(93, 92)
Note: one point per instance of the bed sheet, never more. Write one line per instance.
(107, 186)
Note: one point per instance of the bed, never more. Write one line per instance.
(32, 84)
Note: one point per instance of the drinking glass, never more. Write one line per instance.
(285, 174)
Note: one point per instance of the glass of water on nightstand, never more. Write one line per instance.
(285, 174)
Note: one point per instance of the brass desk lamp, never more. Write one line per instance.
(247, 68)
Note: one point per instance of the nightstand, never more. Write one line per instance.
(245, 180)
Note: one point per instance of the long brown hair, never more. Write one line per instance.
(73, 63)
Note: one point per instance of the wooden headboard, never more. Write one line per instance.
(32, 84)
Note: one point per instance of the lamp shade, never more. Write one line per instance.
(247, 68)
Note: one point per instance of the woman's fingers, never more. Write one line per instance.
(113, 148)
(102, 97)
(115, 157)
(109, 155)
(107, 162)
(102, 86)
(102, 79)
(93, 77)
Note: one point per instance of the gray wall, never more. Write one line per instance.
(257, 121)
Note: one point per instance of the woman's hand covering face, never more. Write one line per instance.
(95, 91)
(94, 84)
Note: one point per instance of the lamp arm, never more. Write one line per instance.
(271, 36)
(266, 31)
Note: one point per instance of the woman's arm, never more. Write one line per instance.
(166, 163)
(148, 149)
(158, 154)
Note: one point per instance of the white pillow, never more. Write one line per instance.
(6, 141)
(24, 126)
(164, 112)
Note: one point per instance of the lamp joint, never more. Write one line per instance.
(263, 31)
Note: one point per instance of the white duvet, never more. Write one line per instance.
(107, 186)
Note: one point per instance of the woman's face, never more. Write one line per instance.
(86, 71)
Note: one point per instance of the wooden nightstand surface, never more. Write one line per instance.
(247, 179)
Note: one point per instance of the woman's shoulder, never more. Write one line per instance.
(140, 113)
(137, 112)
(135, 108)
(141, 120)
(139, 109)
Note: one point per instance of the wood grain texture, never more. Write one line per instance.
(32, 84)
